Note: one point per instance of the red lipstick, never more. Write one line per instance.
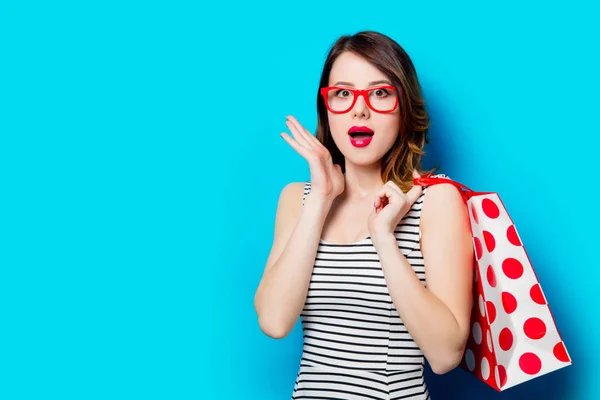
(360, 136)
(360, 129)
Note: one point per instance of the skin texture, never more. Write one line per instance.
(344, 208)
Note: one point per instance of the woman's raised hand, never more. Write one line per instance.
(327, 179)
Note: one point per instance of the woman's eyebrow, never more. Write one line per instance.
(370, 83)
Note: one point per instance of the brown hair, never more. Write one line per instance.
(391, 59)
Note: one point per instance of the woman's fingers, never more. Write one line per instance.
(298, 132)
(383, 195)
(390, 193)
(394, 191)
(300, 138)
(414, 194)
(381, 202)
(303, 132)
(302, 150)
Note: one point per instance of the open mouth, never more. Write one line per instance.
(360, 132)
(358, 135)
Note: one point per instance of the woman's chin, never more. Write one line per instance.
(365, 159)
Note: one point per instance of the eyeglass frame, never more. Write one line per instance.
(356, 94)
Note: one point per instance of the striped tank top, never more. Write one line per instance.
(355, 344)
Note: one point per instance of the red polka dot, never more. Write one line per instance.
(505, 339)
(512, 268)
(534, 328)
(474, 212)
(491, 276)
(530, 363)
(511, 235)
(560, 352)
(509, 302)
(502, 375)
(490, 208)
(537, 295)
(478, 248)
(491, 311)
(490, 242)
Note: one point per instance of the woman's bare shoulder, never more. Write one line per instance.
(291, 197)
(294, 189)
(442, 203)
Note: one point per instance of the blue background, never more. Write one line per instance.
(141, 164)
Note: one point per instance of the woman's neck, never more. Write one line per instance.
(362, 181)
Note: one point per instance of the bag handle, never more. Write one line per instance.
(427, 180)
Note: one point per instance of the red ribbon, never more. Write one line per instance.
(465, 192)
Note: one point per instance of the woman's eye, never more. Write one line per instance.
(381, 92)
(343, 93)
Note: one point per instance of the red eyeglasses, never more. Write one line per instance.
(340, 100)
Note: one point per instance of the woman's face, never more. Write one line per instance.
(354, 72)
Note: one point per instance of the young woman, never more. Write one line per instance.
(378, 269)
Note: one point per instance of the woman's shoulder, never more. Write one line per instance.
(427, 188)
(293, 189)
(292, 194)
(444, 189)
(442, 197)
(432, 187)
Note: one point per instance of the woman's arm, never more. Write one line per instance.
(436, 316)
(282, 291)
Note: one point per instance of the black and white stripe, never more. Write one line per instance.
(355, 343)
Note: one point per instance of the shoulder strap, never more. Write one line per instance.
(307, 187)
